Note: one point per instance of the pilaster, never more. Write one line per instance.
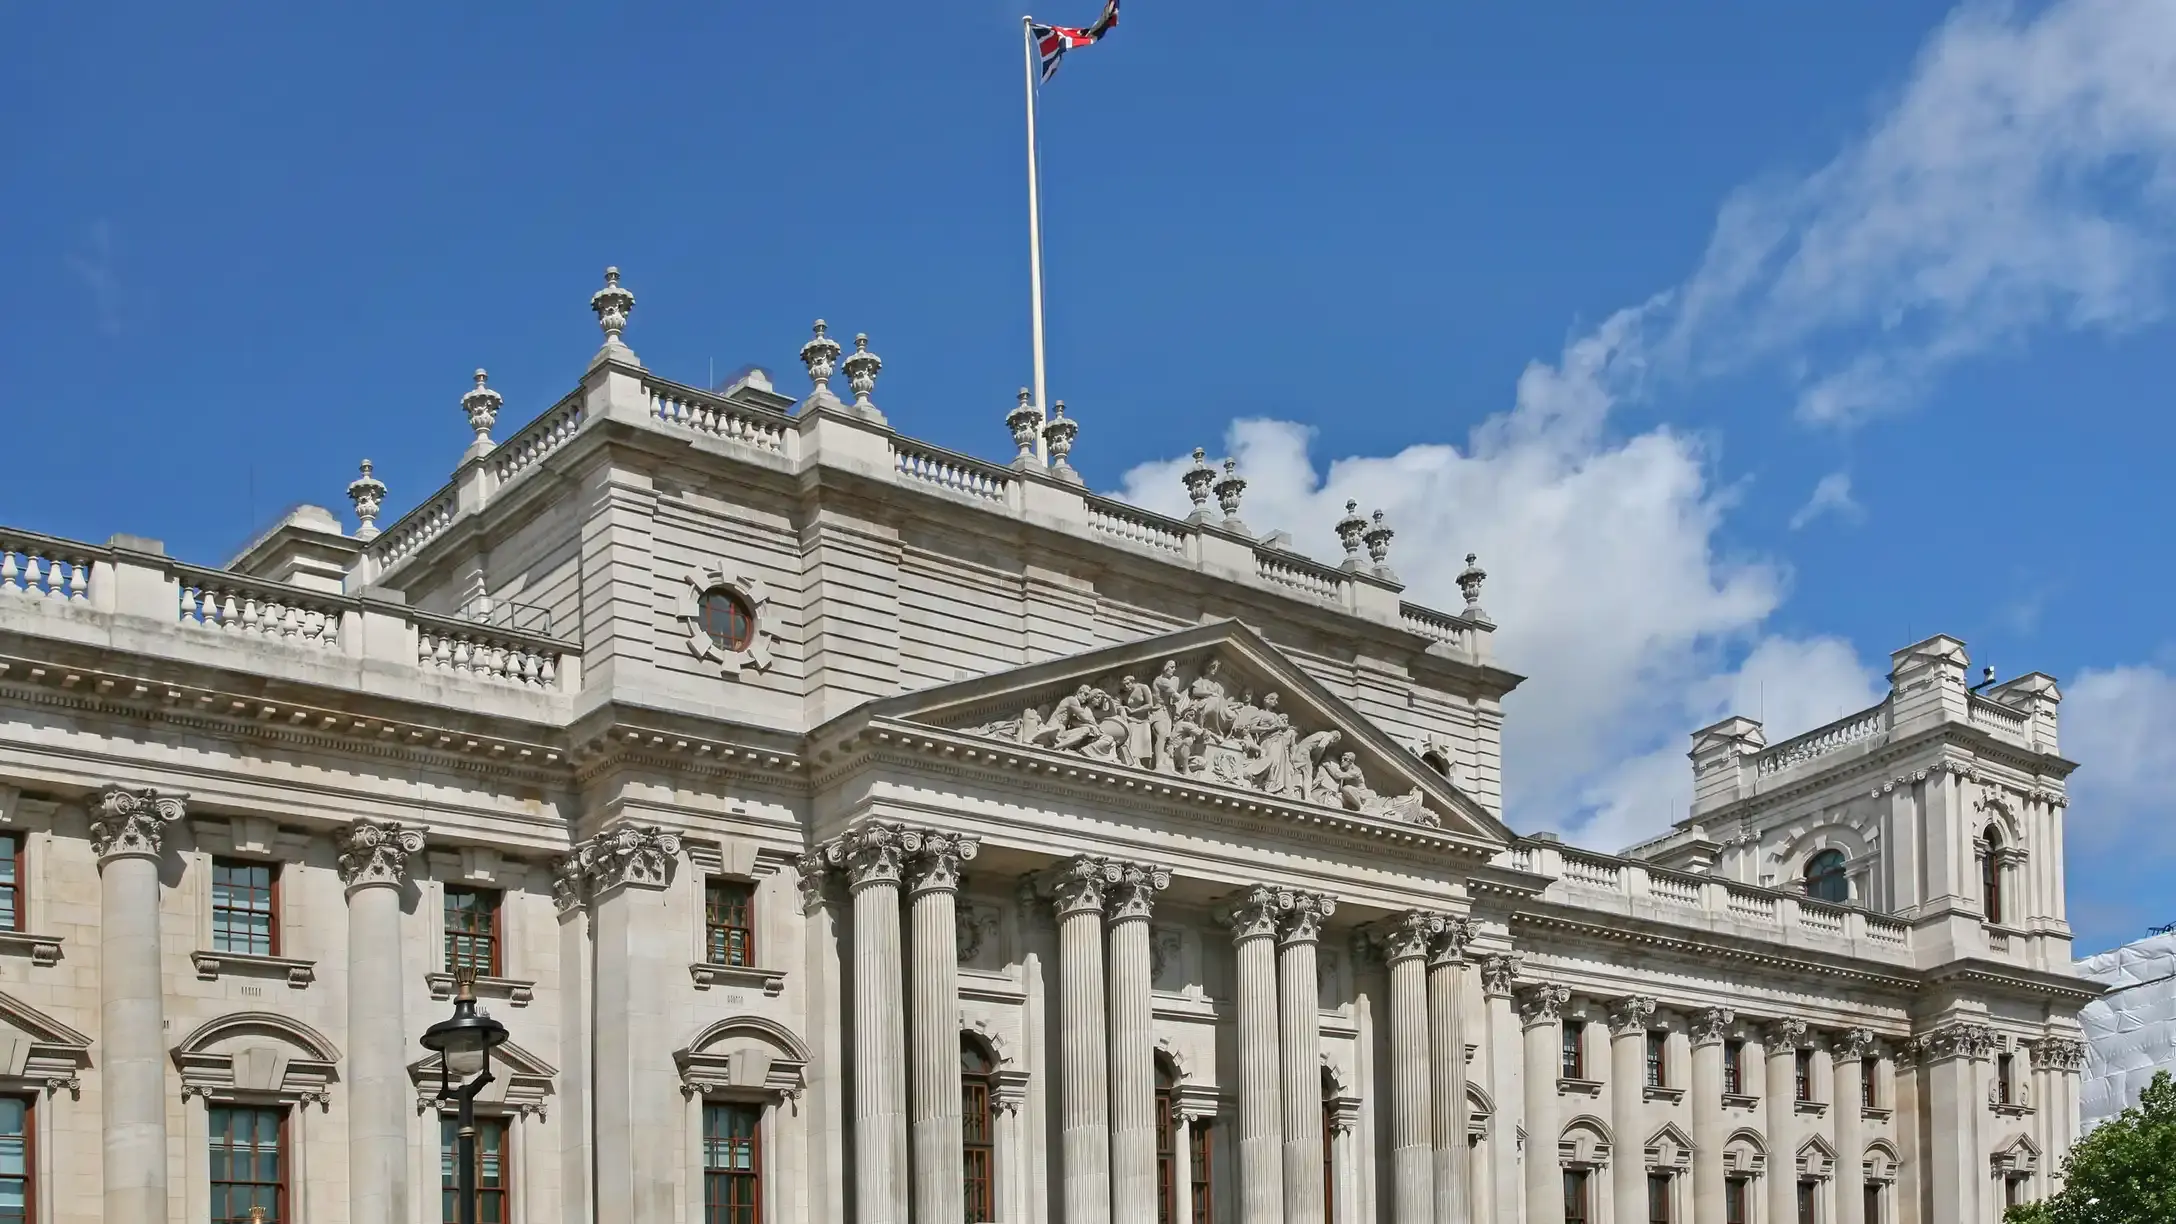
(1299, 1010)
(128, 832)
(1253, 917)
(934, 860)
(626, 869)
(373, 868)
(1629, 1019)
(1541, 1015)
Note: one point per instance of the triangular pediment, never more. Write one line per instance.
(1214, 705)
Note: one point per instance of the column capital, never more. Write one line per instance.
(934, 858)
(872, 853)
(1788, 1033)
(1711, 1024)
(1251, 914)
(628, 855)
(1852, 1045)
(570, 885)
(1302, 916)
(376, 855)
(2058, 1053)
(1405, 936)
(132, 823)
(1078, 884)
(1500, 973)
(1543, 1003)
(1133, 894)
(1960, 1039)
(1450, 943)
(1632, 1014)
(815, 879)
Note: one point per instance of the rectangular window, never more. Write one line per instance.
(732, 1164)
(1197, 1157)
(1803, 1077)
(11, 882)
(2013, 1192)
(1658, 1053)
(492, 1170)
(1575, 1197)
(2005, 1071)
(17, 1205)
(1658, 1198)
(245, 912)
(472, 930)
(1575, 1055)
(1167, 1154)
(978, 1150)
(1807, 1191)
(249, 1168)
(1734, 1067)
(1867, 1096)
(1738, 1200)
(729, 922)
(1873, 1204)
(1329, 1167)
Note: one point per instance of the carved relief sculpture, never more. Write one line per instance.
(1197, 729)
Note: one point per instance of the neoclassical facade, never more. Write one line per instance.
(849, 831)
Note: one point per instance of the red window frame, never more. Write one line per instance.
(27, 1209)
(245, 899)
(1199, 1171)
(729, 922)
(727, 619)
(732, 1163)
(494, 1168)
(463, 939)
(1802, 1074)
(1734, 1067)
(1658, 1058)
(1574, 1053)
(226, 1140)
(12, 893)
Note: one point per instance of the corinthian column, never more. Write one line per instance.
(1128, 901)
(1784, 1039)
(871, 857)
(1710, 1026)
(627, 868)
(1404, 942)
(1499, 975)
(1253, 919)
(1848, 1057)
(374, 865)
(1447, 1070)
(1956, 1160)
(1084, 1119)
(1299, 1012)
(934, 861)
(1628, 1025)
(1541, 1011)
(127, 829)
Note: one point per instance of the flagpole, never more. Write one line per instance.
(1035, 236)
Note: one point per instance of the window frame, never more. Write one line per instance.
(1815, 880)
(1809, 1201)
(1802, 1075)
(1738, 1199)
(283, 1157)
(497, 933)
(1991, 898)
(1578, 1197)
(741, 616)
(1734, 1066)
(1659, 1205)
(978, 1197)
(724, 1174)
(1167, 1150)
(1572, 1055)
(1869, 1088)
(29, 1102)
(1658, 1058)
(1201, 1176)
(717, 950)
(1871, 1203)
(16, 885)
(2005, 1078)
(272, 901)
(448, 1156)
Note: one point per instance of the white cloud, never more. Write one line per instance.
(2117, 723)
(2025, 178)
(1831, 496)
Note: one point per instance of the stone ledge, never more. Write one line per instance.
(41, 949)
(1662, 1092)
(517, 991)
(2011, 1110)
(1740, 1100)
(1567, 1086)
(706, 975)
(212, 965)
(1875, 1113)
(1816, 1108)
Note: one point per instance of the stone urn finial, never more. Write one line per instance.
(1228, 489)
(820, 355)
(1023, 421)
(612, 304)
(860, 368)
(482, 405)
(1197, 479)
(1350, 529)
(1058, 435)
(1377, 537)
(368, 494)
(1469, 582)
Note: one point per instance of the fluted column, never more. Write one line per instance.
(1628, 1023)
(933, 862)
(373, 866)
(1541, 1012)
(1404, 942)
(627, 869)
(1784, 1039)
(1450, 1155)
(1253, 919)
(1849, 1064)
(1128, 902)
(1710, 1027)
(1299, 1017)
(1084, 1117)
(1499, 975)
(128, 829)
(1956, 1161)
(872, 858)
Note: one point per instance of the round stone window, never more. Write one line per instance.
(727, 619)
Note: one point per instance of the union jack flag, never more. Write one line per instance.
(1052, 42)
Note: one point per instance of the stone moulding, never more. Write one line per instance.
(211, 966)
(517, 991)
(688, 611)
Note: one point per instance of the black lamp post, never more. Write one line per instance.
(463, 1043)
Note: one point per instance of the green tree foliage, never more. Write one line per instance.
(2122, 1173)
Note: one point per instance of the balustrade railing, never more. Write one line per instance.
(1300, 574)
(44, 567)
(1120, 521)
(450, 644)
(718, 417)
(1441, 626)
(1992, 715)
(537, 439)
(1684, 890)
(412, 531)
(229, 603)
(944, 470)
(1821, 741)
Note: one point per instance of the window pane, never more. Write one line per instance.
(11, 907)
(732, 1163)
(472, 930)
(14, 1160)
(247, 1166)
(729, 922)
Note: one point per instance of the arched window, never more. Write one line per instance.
(1827, 879)
(1991, 875)
(727, 618)
(977, 1132)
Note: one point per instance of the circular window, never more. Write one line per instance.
(727, 619)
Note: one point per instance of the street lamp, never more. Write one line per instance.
(463, 1044)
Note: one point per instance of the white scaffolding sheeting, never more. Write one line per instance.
(2130, 1032)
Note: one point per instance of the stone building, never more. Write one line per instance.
(851, 830)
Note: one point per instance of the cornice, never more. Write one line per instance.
(967, 757)
(2036, 983)
(1623, 931)
(1886, 765)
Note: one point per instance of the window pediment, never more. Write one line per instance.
(519, 1081)
(257, 1055)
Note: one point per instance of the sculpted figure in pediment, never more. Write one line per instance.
(1197, 730)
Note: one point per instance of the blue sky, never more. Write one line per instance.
(1746, 343)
